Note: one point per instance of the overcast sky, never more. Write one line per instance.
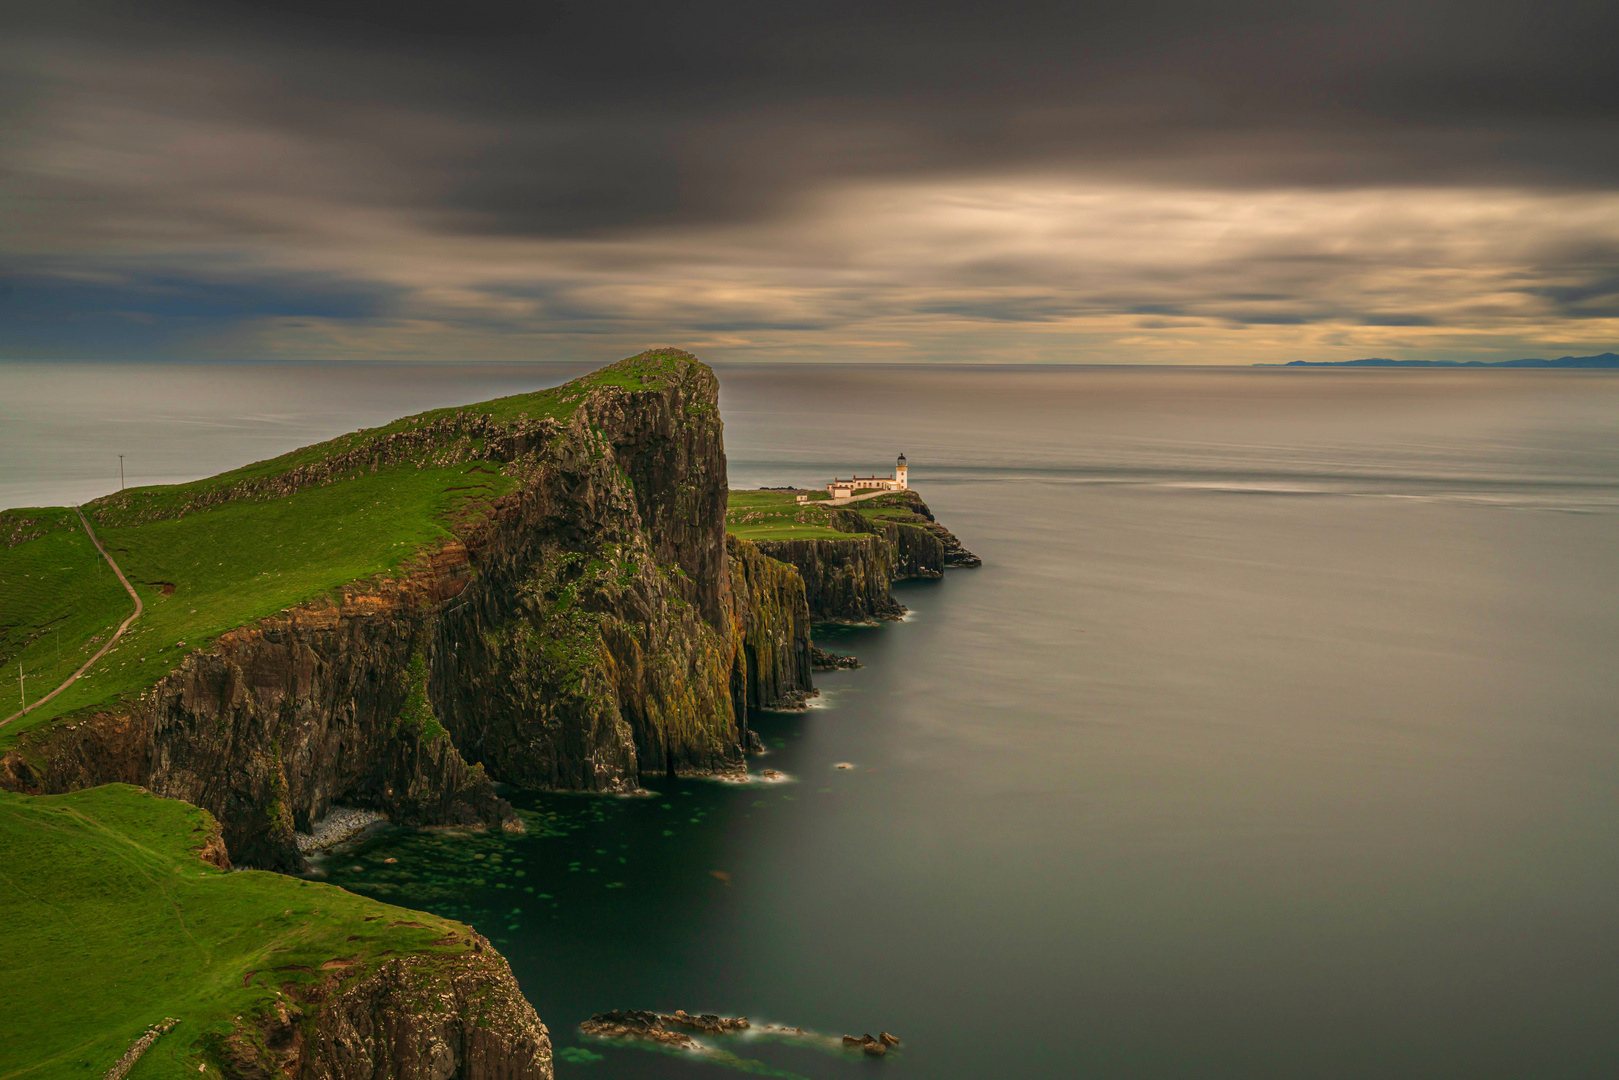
(1165, 182)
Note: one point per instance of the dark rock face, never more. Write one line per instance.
(596, 628)
(596, 645)
(844, 580)
(773, 621)
(282, 718)
(920, 556)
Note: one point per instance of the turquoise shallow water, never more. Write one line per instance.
(1278, 736)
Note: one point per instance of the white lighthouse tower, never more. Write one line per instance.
(902, 475)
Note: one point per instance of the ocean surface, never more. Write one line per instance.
(1278, 736)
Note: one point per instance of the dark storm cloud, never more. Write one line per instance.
(739, 168)
(614, 116)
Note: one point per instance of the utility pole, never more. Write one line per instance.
(120, 472)
(20, 691)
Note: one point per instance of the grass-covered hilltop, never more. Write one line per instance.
(550, 590)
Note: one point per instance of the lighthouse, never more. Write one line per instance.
(902, 474)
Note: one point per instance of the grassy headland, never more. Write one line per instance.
(214, 554)
(113, 923)
(778, 515)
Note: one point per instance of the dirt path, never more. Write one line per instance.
(139, 607)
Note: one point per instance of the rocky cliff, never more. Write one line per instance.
(419, 1017)
(848, 580)
(279, 720)
(844, 580)
(916, 551)
(772, 622)
(582, 632)
(952, 552)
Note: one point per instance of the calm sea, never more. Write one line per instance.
(1278, 736)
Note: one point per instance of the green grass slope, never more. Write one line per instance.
(58, 602)
(112, 923)
(202, 572)
(777, 515)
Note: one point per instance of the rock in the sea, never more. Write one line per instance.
(823, 660)
(875, 1046)
(666, 1028)
(635, 1024)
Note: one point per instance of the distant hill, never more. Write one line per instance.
(1605, 360)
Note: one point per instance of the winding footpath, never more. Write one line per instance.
(88, 664)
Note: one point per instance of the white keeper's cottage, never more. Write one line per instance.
(900, 481)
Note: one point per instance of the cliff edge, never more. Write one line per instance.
(535, 590)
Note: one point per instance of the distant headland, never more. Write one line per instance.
(1604, 360)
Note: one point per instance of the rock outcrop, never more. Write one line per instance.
(669, 1029)
(823, 660)
(428, 1016)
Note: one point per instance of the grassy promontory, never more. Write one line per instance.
(778, 515)
(215, 554)
(113, 923)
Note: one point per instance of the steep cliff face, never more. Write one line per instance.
(423, 1017)
(773, 620)
(917, 552)
(580, 633)
(951, 552)
(281, 719)
(844, 580)
(596, 646)
(848, 580)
